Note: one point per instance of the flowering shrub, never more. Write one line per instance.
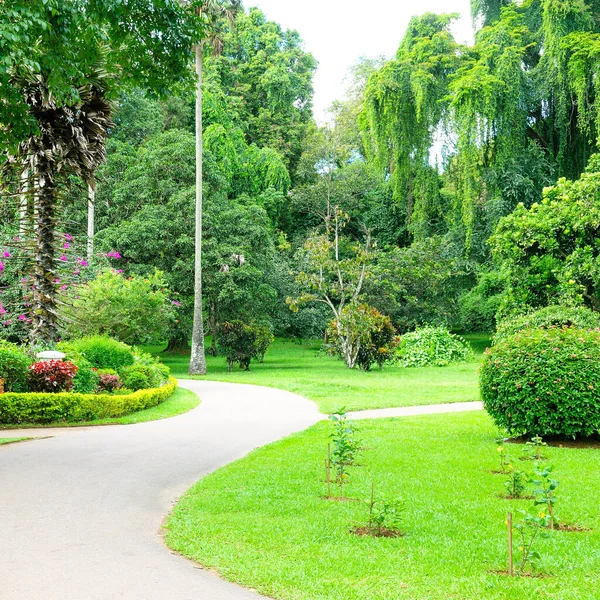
(544, 382)
(109, 383)
(363, 331)
(51, 376)
(86, 380)
(14, 362)
(432, 346)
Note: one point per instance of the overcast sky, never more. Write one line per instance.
(339, 32)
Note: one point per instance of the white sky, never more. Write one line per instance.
(339, 32)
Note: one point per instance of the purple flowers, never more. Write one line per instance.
(175, 303)
(63, 258)
(66, 245)
(6, 254)
(68, 237)
(22, 318)
(2, 310)
(113, 254)
(82, 263)
(1, 267)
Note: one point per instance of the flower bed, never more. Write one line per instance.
(70, 407)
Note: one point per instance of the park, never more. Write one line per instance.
(264, 335)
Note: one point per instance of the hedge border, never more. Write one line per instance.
(73, 407)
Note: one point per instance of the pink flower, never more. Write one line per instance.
(119, 271)
(113, 254)
(81, 262)
(76, 272)
(22, 318)
(6, 254)
(2, 310)
(57, 280)
(63, 287)
(7, 323)
(24, 280)
(66, 245)
(175, 303)
(68, 237)
(1, 267)
(63, 258)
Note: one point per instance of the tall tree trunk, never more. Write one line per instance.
(45, 319)
(198, 358)
(91, 215)
(24, 189)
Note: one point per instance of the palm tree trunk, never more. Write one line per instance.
(90, 227)
(45, 320)
(23, 203)
(198, 358)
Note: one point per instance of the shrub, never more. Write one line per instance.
(43, 408)
(14, 362)
(240, 343)
(550, 316)
(134, 310)
(102, 352)
(432, 346)
(140, 376)
(544, 382)
(109, 383)
(86, 380)
(479, 306)
(51, 376)
(364, 335)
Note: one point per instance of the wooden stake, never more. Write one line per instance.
(372, 504)
(329, 470)
(510, 545)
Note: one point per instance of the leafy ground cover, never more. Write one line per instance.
(262, 521)
(304, 370)
(180, 402)
(4, 441)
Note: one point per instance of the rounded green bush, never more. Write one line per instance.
(102, 352)
(14, 363)
(550, 316)
(135, 378)
(432, 346)
(544, 382)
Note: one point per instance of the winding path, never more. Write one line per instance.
(80, 513)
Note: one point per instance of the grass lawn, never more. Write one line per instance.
(304, 370)
(180, 402)
(12, 440)
(262, 522)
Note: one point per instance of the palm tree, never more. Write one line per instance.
(71, 141)
(214, 13)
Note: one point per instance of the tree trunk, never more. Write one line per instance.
(23, 203)
(212, 327)
(90, 227)
(45, 319)
(198, 358)
(177, 344)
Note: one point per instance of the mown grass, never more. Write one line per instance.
(4, 441)
(180, 402)
(304, 370)
(262, 521)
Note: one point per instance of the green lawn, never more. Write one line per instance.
(306, 371)
(12, 440)
(180, 402)
(262, 522)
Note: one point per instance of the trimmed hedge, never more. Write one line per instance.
(544, 382)
(41, 408)
(101, 351)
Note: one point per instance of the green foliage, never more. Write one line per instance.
(533, 522)
(346, 446)
(544, 382)
(240, 342)
(546, 318)
(87, 378)
(101, 352)
(479, 306)
(134, 310)
(516, 484)
(385, 516)
(432, 346)
(371, 334)
(43, 408)
(14, 362)
(544, 490)
(143, 375)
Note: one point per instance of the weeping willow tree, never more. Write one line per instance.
(406, 102)
(520, 108)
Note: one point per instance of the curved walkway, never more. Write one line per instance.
(80, 513)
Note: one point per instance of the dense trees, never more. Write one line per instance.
(422, 199)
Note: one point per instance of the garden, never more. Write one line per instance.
(176, 219)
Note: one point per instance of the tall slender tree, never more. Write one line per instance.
(214, 13)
